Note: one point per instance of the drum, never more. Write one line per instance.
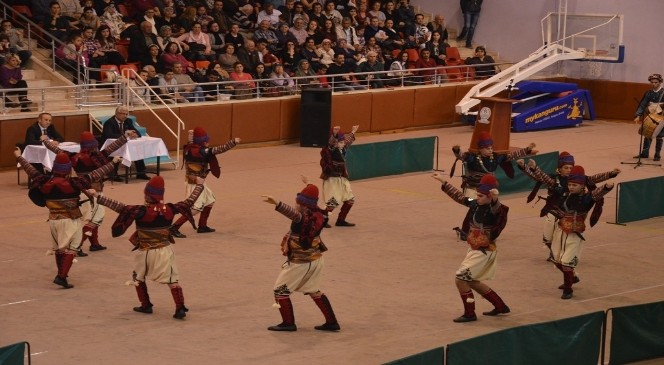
(652, 125)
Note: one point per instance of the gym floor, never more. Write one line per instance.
(390, 279)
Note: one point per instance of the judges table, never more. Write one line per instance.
(41, 154)
(139, 149)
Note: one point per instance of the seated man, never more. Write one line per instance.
(340, 75)
(189, 89)
(40, 131)
(115, 127)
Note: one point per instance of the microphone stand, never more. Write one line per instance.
(638, 161)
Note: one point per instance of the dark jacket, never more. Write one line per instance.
(112, 129)
(34, 131)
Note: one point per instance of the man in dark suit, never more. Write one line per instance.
(140, 41)
(41, 130)
(116, 126)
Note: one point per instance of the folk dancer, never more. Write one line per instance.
(199, 160)
(60, 193)
(336, 186)
(87, 160)
(303, 269)
(485, 220)
(155, 258)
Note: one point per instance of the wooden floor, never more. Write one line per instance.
(390, 279)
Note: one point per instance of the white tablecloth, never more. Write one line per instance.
(40, 154)
(139, 149)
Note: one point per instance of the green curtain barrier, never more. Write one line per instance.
(547, 162)
(431, 357)
(640, 199)
(573, 340)
(637, 333)
(369, 160)
(12, 354)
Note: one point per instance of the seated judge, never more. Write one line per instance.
(42, 130)
(116, 126)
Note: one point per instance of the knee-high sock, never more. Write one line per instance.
(58, 260)
(568, 277)
(178, 297)
(87, 233)
(324, 304)
(182, 220)
(65, 264)
(495, 299)
(202, 221)
(345, 208)
(94, 238)
(143, 296)
(285, 309)
(468, 300)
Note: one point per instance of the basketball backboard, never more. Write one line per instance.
(599, 35)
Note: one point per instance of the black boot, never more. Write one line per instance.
(324, 305)
(144, 298)
(287, 315)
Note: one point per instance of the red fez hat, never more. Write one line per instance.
(487, 183)
(88, 141)
(564, 158)
(155, 188)
(200, 136)
(577, 175)
(484, 140)
(62, 164)
(308, 196)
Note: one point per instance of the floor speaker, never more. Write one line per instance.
(315, 117)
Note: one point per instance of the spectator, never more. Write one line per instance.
(376, 13)
(187, 19)
(140, 41)
(188, 88)
(438, 24)
(244, 84)
(154, 59)
(471, 15)
(372, 65)
(89, 19)
(399, 74)
(56, 23)
(284, 36)
(347, 31)
(216, 38)
(228, 58)
(202, 17)
(270, 14)
(149, 16)
(317, 15)
(372, 29)
(329, 31)
(153, 78)
(437, 47)
(363, 16)
(290, 57)
(16, 43)
(264, 55)
(405, 16)
(288, 12)
(350, 55)
(12, 78)
(234, 37)
(265, 32)
(418, 34)
(166, 37)
(199, 44)
(169, 90)
(313, 32)
(325, 53)
(248, 55)
(71, 9)
(112, 17)
(282, 81)
(105, 43)
(309, 52)
(172, 55)
(300, 13)
(298, 31)
(220, 17)
(390, 12)
(481, 58)
(331, 13)
(141, 88)
(241, 18)
(169, 19)
(211, 88)
(341, 73)
(425, 61)
(372, 45)
(73, 56)
(262, 83)
(304, 70)
(5, 48)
